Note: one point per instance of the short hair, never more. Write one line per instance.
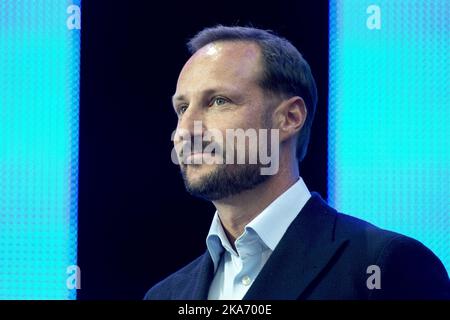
(285, 72)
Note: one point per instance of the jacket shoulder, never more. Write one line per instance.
(374, 237)
(164, 290)
(351, 227)
(409, 270)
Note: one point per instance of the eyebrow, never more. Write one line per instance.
(178, 98)
(206, 92)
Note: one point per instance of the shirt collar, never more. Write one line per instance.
(270, 225)
(217, 241)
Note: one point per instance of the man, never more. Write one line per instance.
(270, 237)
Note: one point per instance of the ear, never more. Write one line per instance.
(290, 116)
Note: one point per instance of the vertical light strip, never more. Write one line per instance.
(39, 107)
(389, 116)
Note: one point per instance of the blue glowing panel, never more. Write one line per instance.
(389, 116)
(39, 103)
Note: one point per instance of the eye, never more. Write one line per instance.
(219, 101)
(182, 109)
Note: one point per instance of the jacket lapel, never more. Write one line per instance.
(201, 280)
(307, 247)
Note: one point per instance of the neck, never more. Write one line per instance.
(237, 211)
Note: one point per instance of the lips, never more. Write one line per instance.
(196, 157)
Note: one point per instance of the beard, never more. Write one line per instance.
(225, 180)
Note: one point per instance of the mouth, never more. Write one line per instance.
(196, 157)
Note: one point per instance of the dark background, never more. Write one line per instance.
(136, 222)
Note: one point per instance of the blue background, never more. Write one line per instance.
(389, 117)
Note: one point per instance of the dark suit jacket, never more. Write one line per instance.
(325, 255)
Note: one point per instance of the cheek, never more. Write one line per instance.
(254, 118)
(239, 119)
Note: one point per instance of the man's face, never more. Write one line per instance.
(219, 87)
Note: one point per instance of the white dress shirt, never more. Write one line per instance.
(234, 272)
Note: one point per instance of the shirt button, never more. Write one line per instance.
(246, 280)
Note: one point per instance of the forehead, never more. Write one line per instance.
(233, 63)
